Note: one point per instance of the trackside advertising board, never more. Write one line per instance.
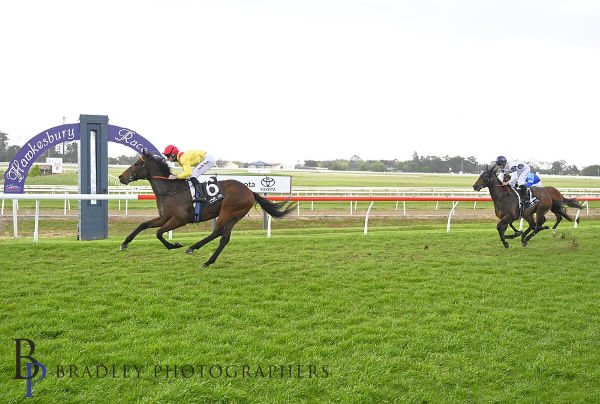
(278, 184)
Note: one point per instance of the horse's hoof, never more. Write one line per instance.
(205, 265)
(123, 247)
(506, 245)
(553, 233)
(524, 243)
(178, 245)
(190, 250)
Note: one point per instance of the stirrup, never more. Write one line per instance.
(198, 187)
(201, 197)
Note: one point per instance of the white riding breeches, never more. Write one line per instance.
(522, 178)
(206, 164)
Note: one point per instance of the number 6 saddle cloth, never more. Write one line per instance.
(204, 194)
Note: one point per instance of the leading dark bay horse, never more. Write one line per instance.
(506, 205)
(175, 209)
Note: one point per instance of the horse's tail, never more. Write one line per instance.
(559, 210)
(572, 202)
(558, 207)
(275, 209)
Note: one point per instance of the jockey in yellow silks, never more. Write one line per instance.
(194, 162)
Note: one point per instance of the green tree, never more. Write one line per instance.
(35, 171)
(591, 170)
(558, 167)
(3, 146)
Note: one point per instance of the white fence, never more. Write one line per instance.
(37, 197)
(322, 191)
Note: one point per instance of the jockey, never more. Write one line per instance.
(519, 172)
(194, 164)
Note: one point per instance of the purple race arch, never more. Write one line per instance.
(18, 168)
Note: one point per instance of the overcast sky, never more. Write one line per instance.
(286, 81)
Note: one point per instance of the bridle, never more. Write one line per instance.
(488, 182)
(142, 162)
(507, 188)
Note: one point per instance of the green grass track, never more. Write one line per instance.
(408, 313)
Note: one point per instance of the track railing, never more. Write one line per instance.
(454, 199)
(114, 187)
(372, 199)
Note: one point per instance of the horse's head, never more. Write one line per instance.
(147, 166)
(487, 178)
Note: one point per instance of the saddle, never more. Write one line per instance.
(204, 194)
(526, 200)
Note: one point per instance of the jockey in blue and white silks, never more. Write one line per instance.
(517, 169)
(518, 176)
(533, 180)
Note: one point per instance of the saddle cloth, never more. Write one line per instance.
(211, 190)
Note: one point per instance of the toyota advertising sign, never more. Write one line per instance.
(278, 184)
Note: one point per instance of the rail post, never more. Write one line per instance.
(367, 218)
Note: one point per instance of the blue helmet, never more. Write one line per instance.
(500, 160)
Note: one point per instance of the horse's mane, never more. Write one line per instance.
(493, 169)
(161, 163)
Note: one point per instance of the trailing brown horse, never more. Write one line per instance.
(506, 204)
(175, 209)
(558, 206)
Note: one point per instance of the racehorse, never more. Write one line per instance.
(558, 206)
(507, 206)
(175, 208)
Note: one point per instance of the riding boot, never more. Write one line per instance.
(200, 196)
(533, 200)
(524, 199)
(524, 195)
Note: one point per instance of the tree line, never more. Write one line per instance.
(446, 164)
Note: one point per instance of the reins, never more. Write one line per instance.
(164, 178)
(155, 176)
(506, 187)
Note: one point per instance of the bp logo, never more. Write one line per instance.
(267, 182)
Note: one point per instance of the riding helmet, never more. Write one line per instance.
(500, 160)
(170, 149)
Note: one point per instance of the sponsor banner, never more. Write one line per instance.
(18, 168)
(279, 184)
